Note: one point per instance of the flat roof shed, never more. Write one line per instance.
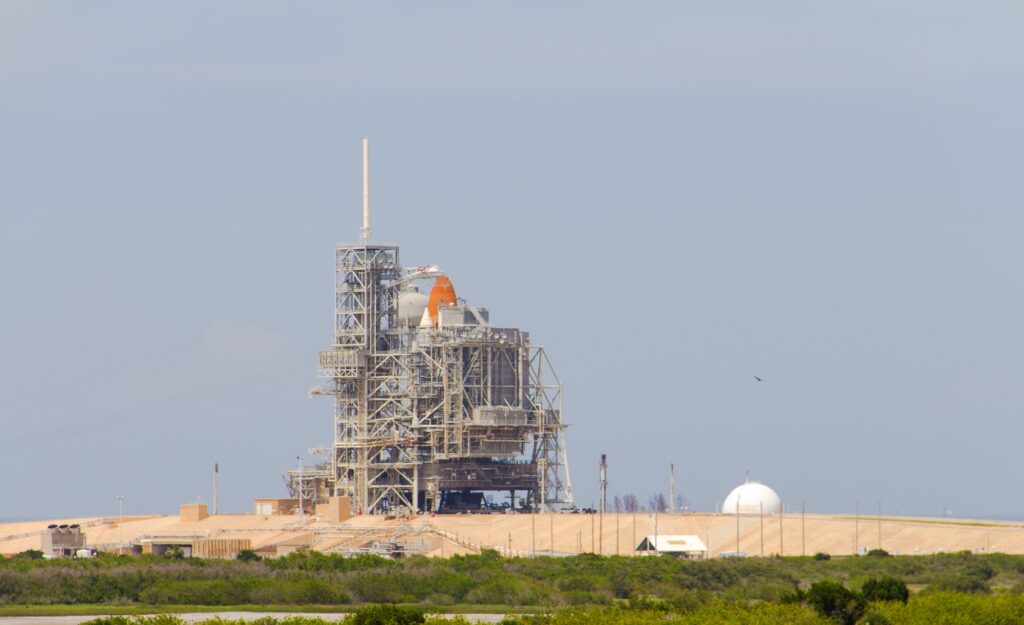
(679, 545)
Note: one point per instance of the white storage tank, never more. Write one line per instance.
(752, 498)
(411, 305)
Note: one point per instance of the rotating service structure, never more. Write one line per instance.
(433, 406)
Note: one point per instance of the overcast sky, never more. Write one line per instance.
(673, 197)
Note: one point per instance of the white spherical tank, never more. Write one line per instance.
(752, 498)
(411, 305)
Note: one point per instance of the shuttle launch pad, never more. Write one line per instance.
(434, 408)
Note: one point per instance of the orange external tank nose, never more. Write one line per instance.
(442, 294)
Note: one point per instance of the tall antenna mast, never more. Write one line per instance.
(603, 482)
(364, 234)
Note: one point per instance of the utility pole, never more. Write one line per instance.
(655, 530)
(603, 504)
(879, 523)
(120, 524)
(803, 527)
(551, 528)
(671, 487)
(216, 489)
(856, 527)
(762, 529)
(782, 515)
(533, 535)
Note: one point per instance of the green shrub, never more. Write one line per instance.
(577, 583)
(885, 589)
(664, 584)
(955, 609)
(878, 553)
(688, 600)
(508, 591)
(260, 591)
(174, 553)
(959, 582)
(796, 595)
(30, 554)
(583, 597)
(388, 615)
(314, 561)
(164, 619)
(873, 617)
(247, 555)
(385, 587)
(821, 556)
(110, 620)
(835, 601)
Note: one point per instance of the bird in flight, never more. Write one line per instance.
(757, 378)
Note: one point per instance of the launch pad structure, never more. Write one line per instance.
(433, 406)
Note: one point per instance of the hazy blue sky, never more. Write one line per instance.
(673, 197)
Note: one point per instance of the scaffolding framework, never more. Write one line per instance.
(424, 410)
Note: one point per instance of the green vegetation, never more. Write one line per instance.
(174, 553)
(932, 609)
(387, 615)
(885, 589)
(840, 590)
(837, 602)
(719, 614)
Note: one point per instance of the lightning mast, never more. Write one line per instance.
(364, 233)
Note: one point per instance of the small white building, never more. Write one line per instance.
(678, 545)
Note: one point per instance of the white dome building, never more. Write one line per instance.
(752, 498)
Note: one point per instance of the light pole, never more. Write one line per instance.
(551, 530)
(879, 524)
(856, 527)
(120, 524)
(655, 517)
(762, 529)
